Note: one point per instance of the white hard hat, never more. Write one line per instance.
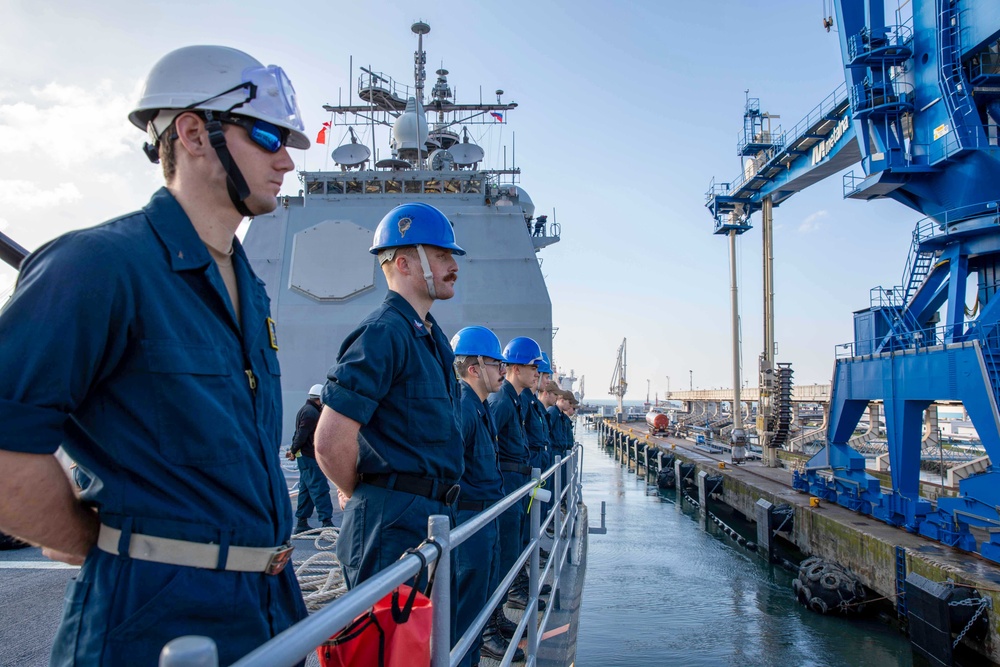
(218, 78)
(315, 391)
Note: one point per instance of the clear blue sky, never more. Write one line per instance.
(627, 111)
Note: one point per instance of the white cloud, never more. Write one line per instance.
(25, 195)
(68, 124)
(811, 223)
(3, 224)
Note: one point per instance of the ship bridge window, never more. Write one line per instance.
(335, 187)
(472, 186)
(433, 185)
(413, 187)
(353, 187)
(393, 187)
(373, 187)
(453, 186)
(314, 187)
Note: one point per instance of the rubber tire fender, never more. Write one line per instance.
(815, 571)
(830, 580)
(818, 605)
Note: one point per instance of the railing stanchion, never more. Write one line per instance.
(531, 611)
(557, 518)
(439, 529)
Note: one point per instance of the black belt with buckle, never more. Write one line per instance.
(474, 505)
(506, 466)
(418, 486)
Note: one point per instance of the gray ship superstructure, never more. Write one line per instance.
(312, 252)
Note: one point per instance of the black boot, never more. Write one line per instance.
(501, 624)
(518, 599)
(521, 584)
(494, 646)
(302, 526)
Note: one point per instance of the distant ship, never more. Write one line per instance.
(312, 252)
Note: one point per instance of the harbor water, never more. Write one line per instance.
(660, 590)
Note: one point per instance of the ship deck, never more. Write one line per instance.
(32, 588)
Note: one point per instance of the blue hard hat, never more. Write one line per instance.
(414, 224)
(544, 366)
(523, 351)
(476, 341)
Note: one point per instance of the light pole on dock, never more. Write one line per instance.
(691, 377)
(737, 435)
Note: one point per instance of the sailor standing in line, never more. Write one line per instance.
(561, 427)
(314, 489)
(479, 363)
(167, 392)
(523, 356)
(390, 434)
(548, 394)
(536, 429)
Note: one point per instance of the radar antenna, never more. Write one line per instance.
(420, 59)
(618, 383)
(352, 154)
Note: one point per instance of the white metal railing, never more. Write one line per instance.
(297, 642)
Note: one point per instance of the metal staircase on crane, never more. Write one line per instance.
(951, 77)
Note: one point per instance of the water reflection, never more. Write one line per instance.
(662, 591)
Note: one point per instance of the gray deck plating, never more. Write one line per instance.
(31, 587)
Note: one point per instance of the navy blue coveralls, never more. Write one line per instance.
(478, 558)
(395, 378)
(120, 345)
(314, 489)
(513, 449)
(561, 436)
(536, 428)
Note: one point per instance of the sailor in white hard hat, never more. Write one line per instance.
(314, 489)
(168, 395)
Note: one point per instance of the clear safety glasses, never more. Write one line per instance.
(268, 93)
(272, 95)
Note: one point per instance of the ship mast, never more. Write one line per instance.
(420, 74)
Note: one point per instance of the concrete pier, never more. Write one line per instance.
(858, 542)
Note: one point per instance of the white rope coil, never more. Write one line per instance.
(320, 576)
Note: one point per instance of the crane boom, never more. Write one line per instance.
(619, 385)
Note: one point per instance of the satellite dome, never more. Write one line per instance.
(526, 204)
(409, 132)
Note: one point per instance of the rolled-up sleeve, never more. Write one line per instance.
(363, 374)
(63, 331)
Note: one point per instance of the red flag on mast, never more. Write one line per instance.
(321, 137)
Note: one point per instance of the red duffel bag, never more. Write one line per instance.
(387, 635)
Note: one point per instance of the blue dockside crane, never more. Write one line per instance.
(920, 109)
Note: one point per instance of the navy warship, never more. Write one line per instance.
(396, 147)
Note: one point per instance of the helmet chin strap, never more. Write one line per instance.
(235, 183)
(482, 375)
(428, 276)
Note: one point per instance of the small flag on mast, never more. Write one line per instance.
(497, 116)
(321, 137)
